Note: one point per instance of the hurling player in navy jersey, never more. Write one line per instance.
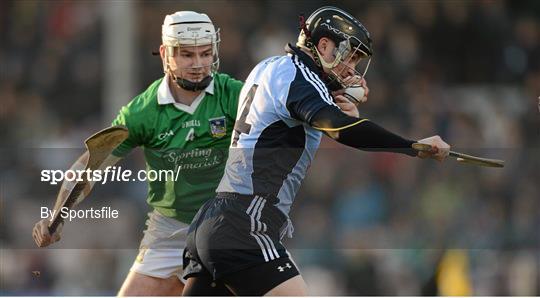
(285, 107)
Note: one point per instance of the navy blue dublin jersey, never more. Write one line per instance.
(273, 144)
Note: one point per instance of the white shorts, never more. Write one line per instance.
(160, 252)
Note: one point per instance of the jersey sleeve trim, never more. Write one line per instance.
(313, 80)
(307, 94)
(333, 129)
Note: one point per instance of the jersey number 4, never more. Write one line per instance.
(190, 135)
(240, 126)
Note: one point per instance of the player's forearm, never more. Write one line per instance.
(360, 133)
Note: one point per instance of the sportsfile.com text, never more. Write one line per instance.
(109, 174)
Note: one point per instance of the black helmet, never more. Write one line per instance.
(344, 30)
(338, 25)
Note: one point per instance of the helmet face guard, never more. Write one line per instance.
(350, 49)
(190, 29)
(213, 39)
(351, 38)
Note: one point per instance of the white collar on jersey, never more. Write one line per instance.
(164, 96)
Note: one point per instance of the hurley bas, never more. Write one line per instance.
(66, 213)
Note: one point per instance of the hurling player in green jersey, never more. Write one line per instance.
(183, 122)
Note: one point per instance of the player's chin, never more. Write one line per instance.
(196, 78)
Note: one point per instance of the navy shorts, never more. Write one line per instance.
(235, 233)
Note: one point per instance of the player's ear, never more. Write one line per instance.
(162, 52)
(323, 45)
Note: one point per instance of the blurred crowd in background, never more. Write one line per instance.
(366, 223)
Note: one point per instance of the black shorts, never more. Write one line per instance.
(235, 233)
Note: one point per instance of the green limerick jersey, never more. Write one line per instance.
(192, 140)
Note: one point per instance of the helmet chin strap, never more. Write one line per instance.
(186, 84)
(193, 86)
(328, 65)
(329, 79)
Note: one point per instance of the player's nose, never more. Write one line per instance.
(197, 60)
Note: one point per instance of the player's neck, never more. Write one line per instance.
(307, 52)
(182, 95)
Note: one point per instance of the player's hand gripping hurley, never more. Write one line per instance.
(464, 158)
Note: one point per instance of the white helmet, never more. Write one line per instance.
(187, 29)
